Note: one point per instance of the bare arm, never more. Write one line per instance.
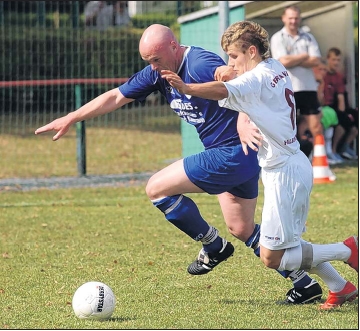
(311, 62)
(210, 90)
(103, 104)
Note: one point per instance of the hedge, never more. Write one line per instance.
(31, 52)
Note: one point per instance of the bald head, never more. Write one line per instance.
(159, 46)
(156, 35)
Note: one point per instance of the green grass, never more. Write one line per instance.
(52, 241)
(109, 150)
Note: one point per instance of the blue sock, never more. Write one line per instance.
(182, 212)
(253, 240)
(284, 273)
(300, 278)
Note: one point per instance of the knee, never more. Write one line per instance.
(241, 230)
(269, 261)
(152, 189)
(236, 232)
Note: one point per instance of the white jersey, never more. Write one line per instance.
(266, 95)
(282, 44)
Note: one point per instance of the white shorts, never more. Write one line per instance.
(286, 203)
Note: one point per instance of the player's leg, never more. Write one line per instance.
(281, 245)
(239, 216)
(216, 171)
(286, 204)
(311, 255)
(165, 189)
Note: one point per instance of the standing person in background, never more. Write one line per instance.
(121, 12)
(299, 52)
(103, 14)
(99, 15)
(335, 97)
(222, 169)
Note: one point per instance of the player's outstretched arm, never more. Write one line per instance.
(60, 125)
(175, 81)
(210, 90)
(104, 103)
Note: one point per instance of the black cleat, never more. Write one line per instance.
(206, 262)
(309, 294)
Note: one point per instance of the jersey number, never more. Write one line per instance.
(291, 104)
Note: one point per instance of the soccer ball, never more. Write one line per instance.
(94, 300)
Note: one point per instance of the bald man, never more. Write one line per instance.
(222, 169)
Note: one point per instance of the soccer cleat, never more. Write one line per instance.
(207, 261)
(307, 294)
(352, 243)
(336, 299)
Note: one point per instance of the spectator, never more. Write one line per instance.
(99, 15)
(335, 96)
(329, 117)
(122, 17)
(298, 51)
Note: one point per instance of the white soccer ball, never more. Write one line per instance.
(94, 300)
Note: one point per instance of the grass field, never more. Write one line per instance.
(113, 145)
(52, 241)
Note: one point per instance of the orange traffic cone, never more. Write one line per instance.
(321, 170)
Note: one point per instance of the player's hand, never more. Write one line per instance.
(224, 73)
(174, 80)
(249, 134)
(60, 125)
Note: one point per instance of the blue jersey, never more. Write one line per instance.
(215, 125)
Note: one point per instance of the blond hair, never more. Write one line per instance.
(244, 34)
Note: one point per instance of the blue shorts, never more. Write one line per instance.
(225, 169)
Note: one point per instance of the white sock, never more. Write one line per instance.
(330, 276)
(292, 257)
(330, 252)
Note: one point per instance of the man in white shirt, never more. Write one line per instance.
(299, 52)
(98, 14)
